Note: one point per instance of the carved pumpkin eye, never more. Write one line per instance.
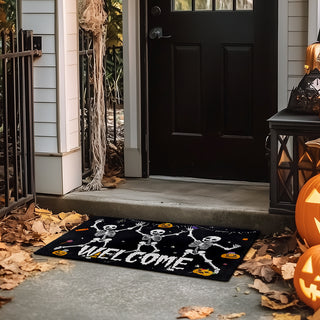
(307, 268)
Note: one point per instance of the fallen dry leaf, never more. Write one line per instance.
(271, 304)
(286, 316)
(250, 254)
(259, 267)
(112, 182)
(4, 300)
(39, 228)
(303, 246)
(71, 220)
(287, 270)
(195, 312)
(315, 316)
(231, 316)
(260, 286)
(49, 238)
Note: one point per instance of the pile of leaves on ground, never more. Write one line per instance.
(271, 262)
(21, 232)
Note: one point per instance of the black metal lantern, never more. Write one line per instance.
(292, 162)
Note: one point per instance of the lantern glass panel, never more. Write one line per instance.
(308, 160)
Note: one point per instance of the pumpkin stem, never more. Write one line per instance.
(318, 39)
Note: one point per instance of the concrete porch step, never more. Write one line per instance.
(183, 200)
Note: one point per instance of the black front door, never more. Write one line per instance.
(212, 83)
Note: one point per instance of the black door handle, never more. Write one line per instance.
(156, 33)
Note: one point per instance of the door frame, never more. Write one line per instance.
(139, 164)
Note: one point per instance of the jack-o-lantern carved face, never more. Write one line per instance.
(307, 214)
(307, 277)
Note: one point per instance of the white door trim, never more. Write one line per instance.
(132, 89)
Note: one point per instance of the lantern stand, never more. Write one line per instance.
(292, 163)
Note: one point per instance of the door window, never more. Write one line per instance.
(244, 5)
(217, 5)
(224, 4)
(203, 5)
(182, 5)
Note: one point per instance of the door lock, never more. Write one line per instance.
(155, 11)
(156, 33)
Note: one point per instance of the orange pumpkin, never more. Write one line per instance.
(313, 57)
(307, 214)
(203, 272)
(307, 277)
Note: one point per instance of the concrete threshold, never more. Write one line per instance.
(236, 204)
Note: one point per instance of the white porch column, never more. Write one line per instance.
(132, 99)
(282, 54)
(56, 94)
(313, 21)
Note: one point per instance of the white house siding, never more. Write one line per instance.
(56, 96)
(297, 41)
(39, 16)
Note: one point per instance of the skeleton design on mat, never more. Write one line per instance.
(104, 234)
(153, 238)
(200, 247)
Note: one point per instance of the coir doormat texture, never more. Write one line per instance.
(191, 250)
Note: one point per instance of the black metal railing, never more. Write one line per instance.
(16, 120)
(113, 88)
(113, 85)
(86, 97)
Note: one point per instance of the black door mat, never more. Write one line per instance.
(191, 250)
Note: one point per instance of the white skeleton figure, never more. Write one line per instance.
(153, 238)
(104, 235)
(201, 246)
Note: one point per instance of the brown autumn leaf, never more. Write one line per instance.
(4, 300)
(250, 254)
(287, 270)
(315, 316)
(303, 245)
(286, 316)
(195, 312)
(112, 182)
(38, 227)
(260, 286)
(49, 238)
(71, 220)
(259, 267)
(274, 305)
(281, 297)
(11, 281)
(231, 316)
(278, 262)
